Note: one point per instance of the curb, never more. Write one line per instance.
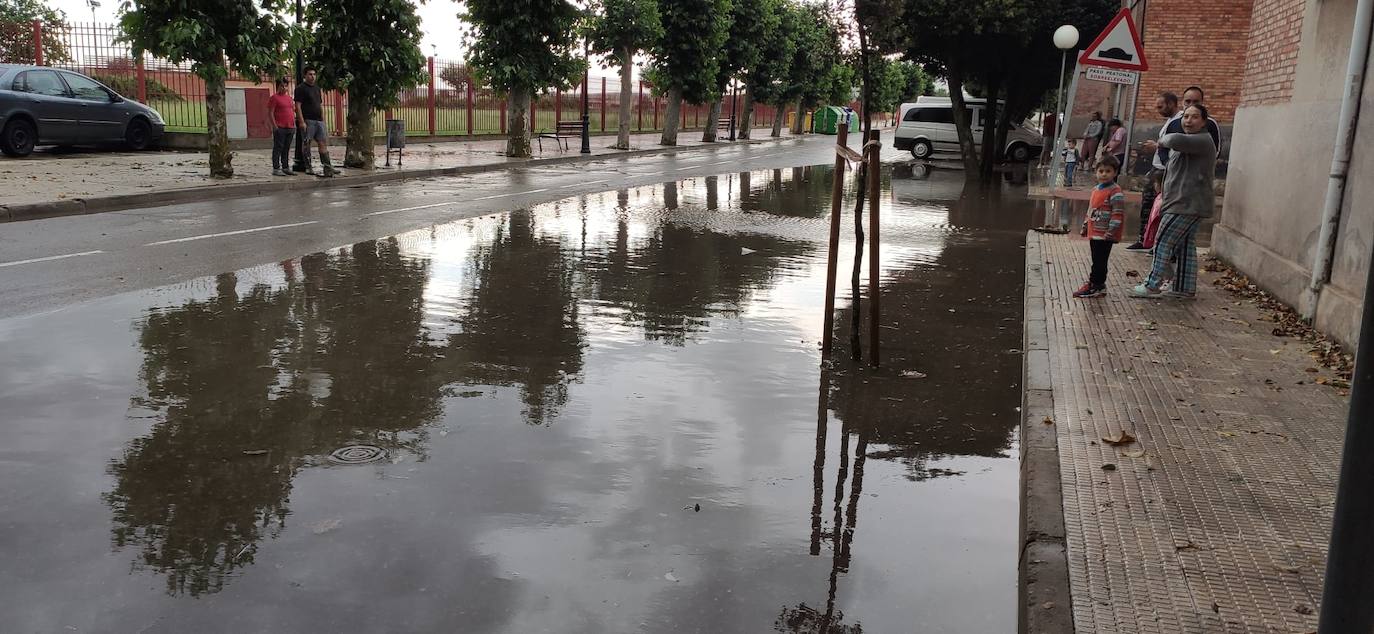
(101, 204)
(1044, 597)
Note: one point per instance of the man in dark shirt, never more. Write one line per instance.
(310, 112)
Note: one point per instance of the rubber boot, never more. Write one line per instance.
(329, 171)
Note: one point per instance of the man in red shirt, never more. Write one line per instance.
(283, 116)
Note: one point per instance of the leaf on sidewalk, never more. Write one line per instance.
(1048, 420)
(1122, 437)
(1136, 453)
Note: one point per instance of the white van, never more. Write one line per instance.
(928, 125)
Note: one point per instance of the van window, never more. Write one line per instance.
(930, 115)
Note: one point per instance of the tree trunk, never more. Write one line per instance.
(221, 159)
(746, 119)
(672, 117)
(622, 137)
(991, 151)
(798, 119)
(518, 120)
(358, 153)
(708, 135)
(777, 120)
(955, 79)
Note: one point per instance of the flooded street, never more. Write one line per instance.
(602, 414)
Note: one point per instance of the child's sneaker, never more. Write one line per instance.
(1088, 291)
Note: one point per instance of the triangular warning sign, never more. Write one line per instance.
(1118, 46)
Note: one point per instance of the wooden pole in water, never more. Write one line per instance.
(874, 316)
(832, 260)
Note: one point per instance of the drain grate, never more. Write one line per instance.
(357, 454)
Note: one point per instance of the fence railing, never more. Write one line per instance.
(448, 103)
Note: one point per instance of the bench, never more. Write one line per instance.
(563, 130)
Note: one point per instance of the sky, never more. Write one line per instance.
(438, 18)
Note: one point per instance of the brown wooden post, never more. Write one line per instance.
(603, 104)
(339, 113)
(141, 74)
(833, 258)
(472, 97)
(37, 43)
(433, 127)
(641, 107)
(874, 294)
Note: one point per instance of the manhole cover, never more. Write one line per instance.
(357, 454)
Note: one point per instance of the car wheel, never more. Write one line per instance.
(1019, 153)
(138, 135)
(922, 150)
(18, 137)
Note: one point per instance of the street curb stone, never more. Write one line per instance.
(101, 204)
(1044, 599)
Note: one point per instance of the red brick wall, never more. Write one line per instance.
(1275, 33)
(1188, 42)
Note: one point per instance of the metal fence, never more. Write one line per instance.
(448, 103)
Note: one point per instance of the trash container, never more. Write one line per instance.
(829, 119)
(395, 139)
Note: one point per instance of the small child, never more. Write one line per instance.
(1070, 161)
(1104, 225)
(282, 113)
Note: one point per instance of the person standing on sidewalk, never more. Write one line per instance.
(1188, 199)
(1116, 142)
(1070, 161)
(1104, 225)
(310, 111)
(1167, 106)
(283, 116)
(1092, 134)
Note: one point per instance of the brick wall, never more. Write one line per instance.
(1275, 33)
(1198, 43)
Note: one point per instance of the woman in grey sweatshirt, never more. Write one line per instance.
(1188, 199)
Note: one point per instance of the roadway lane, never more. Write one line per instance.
(46, 265)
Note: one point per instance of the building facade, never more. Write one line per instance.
(1195, 44)
(1281, 156)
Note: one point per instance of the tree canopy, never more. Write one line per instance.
(620, 27)
(16, 31)
(688, 56)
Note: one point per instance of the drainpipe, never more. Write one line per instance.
(1340, 161)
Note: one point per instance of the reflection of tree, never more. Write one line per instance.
(521, 326)
(250, 388)
(805, 195)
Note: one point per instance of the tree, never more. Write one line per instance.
(767, 82)
(522, 47)
(621, 29)
(838, 89)
(16, 31)
(751, 23)
(214, 36)
(686, 60)
(369, 48)
(897, 82)
(818, 50)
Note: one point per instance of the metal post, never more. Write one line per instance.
(640, 128)
(603, 104)
(1348, 598)
(142, 75)
(1059, 103)
(734, 97)
(433, 128)
(37, 43)
(586, 113)
(833, 258)
(503, 116)
(339, 114)
(874, 296)
(472, 97)
(301, 162)
(557, 104)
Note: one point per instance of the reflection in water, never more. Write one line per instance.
(380, 342)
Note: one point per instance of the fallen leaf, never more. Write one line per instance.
(254, 452)
(1303, 608)
(1048, 605)
(1289, 569)
(1122, 437)
(1048, 420)
(1109, 467)
(913, 374)
(1138, 453)
(1226, 434)
(1132, 273)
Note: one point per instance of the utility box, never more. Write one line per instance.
(395, 139)
(236, 113)
(829, 118)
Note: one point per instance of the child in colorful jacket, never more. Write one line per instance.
(1104, 225)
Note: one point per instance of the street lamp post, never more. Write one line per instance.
(586, 116)
(1065, 38)
(300, 164)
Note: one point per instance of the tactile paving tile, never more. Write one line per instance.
(1223, 525)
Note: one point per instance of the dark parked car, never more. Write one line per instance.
(49, 106)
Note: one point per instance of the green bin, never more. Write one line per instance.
(828, 120)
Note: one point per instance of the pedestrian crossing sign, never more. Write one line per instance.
(1118, 46)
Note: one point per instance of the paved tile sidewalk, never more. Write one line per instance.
(48, 176)
(1221, 525)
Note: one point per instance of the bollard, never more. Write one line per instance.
(832, 260)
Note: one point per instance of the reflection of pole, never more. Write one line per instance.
(1350, 559)
(818, 470)
(837, 193)
(586, 114)
(856, 347)
(874, 305)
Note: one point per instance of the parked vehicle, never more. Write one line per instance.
(50, 106)
(927, 126)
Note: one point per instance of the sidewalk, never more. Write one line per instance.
(1216, 518)
(50, 183)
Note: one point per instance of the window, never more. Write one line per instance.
(41, 82)
(86, 89)
(931, 115)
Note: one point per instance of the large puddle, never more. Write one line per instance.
(604, 414)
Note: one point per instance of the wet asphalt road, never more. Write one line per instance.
(595, 408)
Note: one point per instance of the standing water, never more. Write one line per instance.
(603, 414)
